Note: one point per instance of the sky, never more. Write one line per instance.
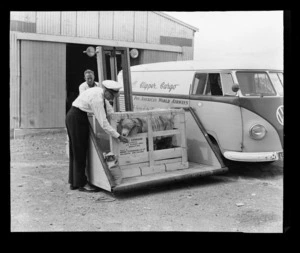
(235, 36)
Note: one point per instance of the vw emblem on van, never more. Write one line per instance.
(279, 114)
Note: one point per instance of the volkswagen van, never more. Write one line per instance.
(240, 107)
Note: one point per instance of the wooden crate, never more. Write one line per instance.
(138, 157)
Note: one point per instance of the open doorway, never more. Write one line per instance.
(77, 63)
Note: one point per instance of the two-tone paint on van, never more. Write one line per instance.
(241, 107)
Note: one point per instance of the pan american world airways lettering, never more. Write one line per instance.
(163, 86)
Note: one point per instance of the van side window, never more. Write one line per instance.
(213, 86)
(227, 82)
(255, 84)
(207, 84)
(199, 83)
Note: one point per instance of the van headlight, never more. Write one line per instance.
(257, 132)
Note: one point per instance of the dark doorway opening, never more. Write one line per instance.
(77, 62)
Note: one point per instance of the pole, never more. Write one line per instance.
(113, 70)
(100, 63)
(127, 80)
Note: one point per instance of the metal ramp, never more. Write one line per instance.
(203, 160)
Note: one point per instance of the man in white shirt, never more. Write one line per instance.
(89, 77)
(89, 101)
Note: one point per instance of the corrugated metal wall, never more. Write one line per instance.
(131, 26)
(151, 56)
(158, 25)
(138, 26)
(48, 22)
(106, 25)
(28, 16)
(124, 25)
(43, 84)
(68, 23)
(87, 24)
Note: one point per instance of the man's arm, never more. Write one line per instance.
(109, 108)
(99, 112)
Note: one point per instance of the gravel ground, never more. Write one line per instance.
(249, 198)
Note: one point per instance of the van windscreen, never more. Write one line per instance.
(255, 84)
(277, 80)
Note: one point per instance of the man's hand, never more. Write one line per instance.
(123, 139)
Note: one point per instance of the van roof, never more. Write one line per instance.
(197, 65)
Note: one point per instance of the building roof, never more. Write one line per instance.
(177, 20)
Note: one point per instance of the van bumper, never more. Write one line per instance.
(254, 157)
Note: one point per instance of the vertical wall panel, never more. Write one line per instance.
(168, 27)
(43, 84)
(87, 24)
(68, 23)
(106, 25)
(154, 24)
(48, 22)
(123, 25)
(25, 16)
(182, 31)
(187, 54)
(140, 27)
(14, 71)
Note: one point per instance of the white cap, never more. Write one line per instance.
(113, 85)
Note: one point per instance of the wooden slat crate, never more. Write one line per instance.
(139, 157)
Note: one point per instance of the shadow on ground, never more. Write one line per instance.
(198, 182)
(235, 171)
(254, 170)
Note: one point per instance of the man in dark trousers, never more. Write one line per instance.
(89, 101)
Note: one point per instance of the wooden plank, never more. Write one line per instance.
(176, 166)
(114, 143)
(153, 169)
(166, 161)
(139, 165)
(132, 159)
(129, 114)
(166, 132)
(95, 171)
(167, 153)
(183, 137)
(131, 172)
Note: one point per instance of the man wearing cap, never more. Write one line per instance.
(89, 101)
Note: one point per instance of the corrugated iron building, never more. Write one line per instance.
(47, 60)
